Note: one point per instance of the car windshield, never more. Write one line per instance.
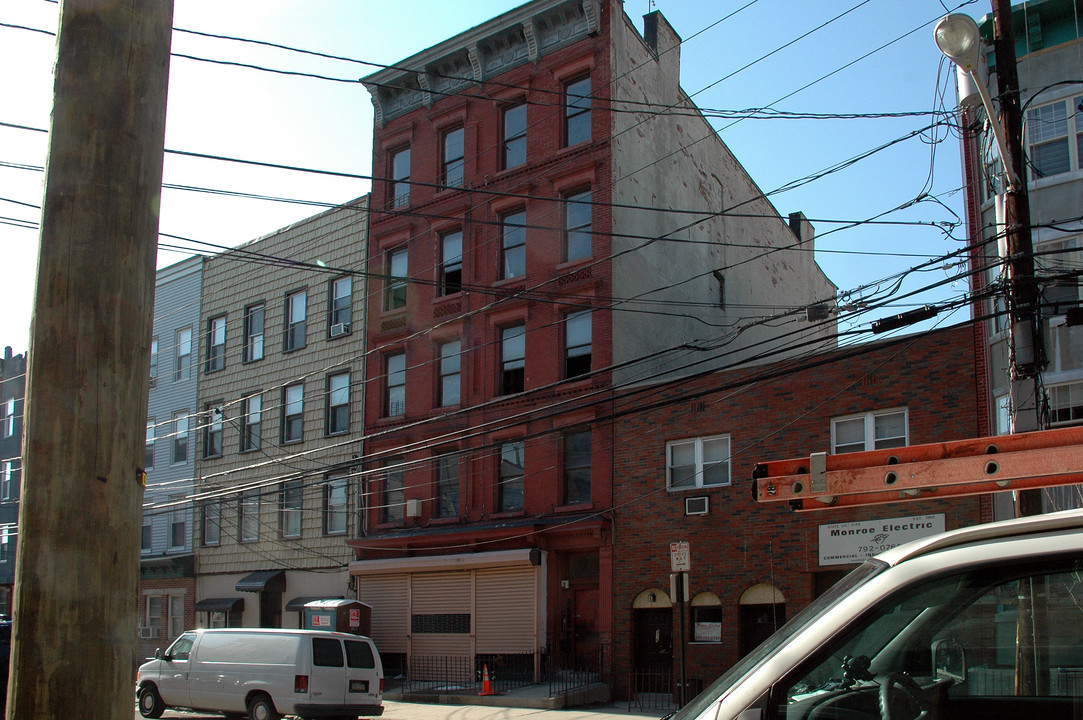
(718, 689)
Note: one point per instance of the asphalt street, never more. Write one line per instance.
(418, 711)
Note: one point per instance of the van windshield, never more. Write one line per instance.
(720, 687)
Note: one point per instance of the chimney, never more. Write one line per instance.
(660, 36)
(802, 229)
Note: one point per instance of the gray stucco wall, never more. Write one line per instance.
(675, 161)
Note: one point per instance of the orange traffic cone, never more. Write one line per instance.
(486, 686)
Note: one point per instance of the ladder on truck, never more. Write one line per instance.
(1040, 459)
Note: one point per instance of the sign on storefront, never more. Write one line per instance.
(854, 542)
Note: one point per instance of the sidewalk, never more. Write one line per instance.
(592, 699)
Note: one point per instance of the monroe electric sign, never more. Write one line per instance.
(853, 542)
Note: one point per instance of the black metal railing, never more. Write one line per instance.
(466, 674)
(652, 690)
(568, 675)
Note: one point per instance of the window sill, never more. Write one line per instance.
(443, 520)
(252, 361)
(508, 514)
(700, 488)
(574, 507)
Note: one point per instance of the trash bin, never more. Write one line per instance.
(349, 616)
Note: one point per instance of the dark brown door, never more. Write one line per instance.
(654, 640)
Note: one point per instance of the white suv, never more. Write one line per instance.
(982, 622)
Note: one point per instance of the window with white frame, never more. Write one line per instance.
(251, 421)
(1066, 403)
(1057, 264)
(180, 437)
(577, 111)
(450, 369)
(577, 343)
(338, 403)
(176, 616)
(451, 263)
(513, 244)
(253, 332)
(509, 491)
(7, 474)
(148, 455)
(154, 361)
(9, 417)
(216, 343)
(698, 462)
(212, 429)
(577, 223)
(248, 516)
(394, 499)
(341, 306)
(290, 506)
(453, 158)
(293, 413)
(514, 141)
(211, 521)
(146, 536)
(877, 430)
(178, 522)
(182, 355)
(446, 503)
(294, 335)
(336, 505)
(512, 359)
(395, 284)
(153, 621)
(1055, 137)
(395, 385)
(400, 177)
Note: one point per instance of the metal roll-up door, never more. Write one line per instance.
(507, 613)
(388, 597)
(441, 622)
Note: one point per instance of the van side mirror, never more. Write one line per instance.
(157, 653)
(949, 660)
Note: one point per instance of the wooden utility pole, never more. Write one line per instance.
(1027, 351)
(74, 648)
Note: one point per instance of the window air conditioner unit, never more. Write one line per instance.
(148, 633)
(413, 508)
(697, 506)
(340, 329)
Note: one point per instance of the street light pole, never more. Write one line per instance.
(958, 38)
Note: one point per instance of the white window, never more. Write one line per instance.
(178, 522)
(395, 285)
(395, 402)
(153, 361)
(338, 403)
(148, 459)
(335, 505)
(249, 515)
(176, 616)
(1066, 403)
(400, 178)
(253, 332)
(9, 417)
(251, 420)
(182, 355)
(698, 462)
(341, 302)
(290, 506)
(180, 437)
(1055, 137)
(216, 343)
(296, 320)
(212, 522)
(6, 475)
(293, 413)
(450, 369)
(870, 431)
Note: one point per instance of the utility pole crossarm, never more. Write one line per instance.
(1041, 459)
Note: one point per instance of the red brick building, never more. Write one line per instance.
(533, 255)
(686, 465)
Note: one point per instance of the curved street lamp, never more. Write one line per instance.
(958, 38)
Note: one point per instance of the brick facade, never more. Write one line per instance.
(772, 412)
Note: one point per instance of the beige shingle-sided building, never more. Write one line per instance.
(281, 370)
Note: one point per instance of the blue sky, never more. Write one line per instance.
(300, 121)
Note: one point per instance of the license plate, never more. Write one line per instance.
(359, 686)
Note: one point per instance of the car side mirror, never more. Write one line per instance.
(949, 660)
(157, 653)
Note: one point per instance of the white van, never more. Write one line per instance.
(264, 674)
(982, 622)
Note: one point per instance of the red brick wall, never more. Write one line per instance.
(742, 543)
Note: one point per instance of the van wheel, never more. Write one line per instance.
(150, 702)
(260, 707)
